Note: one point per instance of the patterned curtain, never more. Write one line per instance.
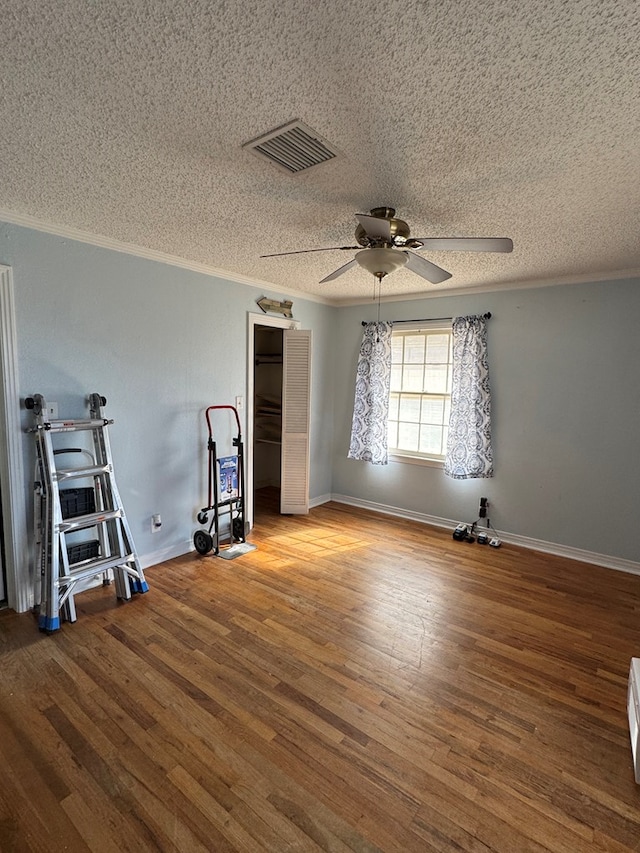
(469, 452)
(371, 405)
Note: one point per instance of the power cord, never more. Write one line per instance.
(471, 533)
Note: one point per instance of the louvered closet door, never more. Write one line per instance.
(296, 402)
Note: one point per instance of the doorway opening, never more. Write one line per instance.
(278, 413)
(259, 326)
(267, 417)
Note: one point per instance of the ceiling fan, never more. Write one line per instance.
(384, 242)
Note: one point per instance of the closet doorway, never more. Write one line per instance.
(278, 417)
(267, 414)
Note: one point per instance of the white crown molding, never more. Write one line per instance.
(70, 233)
(102, 242)
(492, 287)
(604, 560)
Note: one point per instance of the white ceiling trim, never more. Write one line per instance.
(153, 255)
(148, 254)
(492, 288)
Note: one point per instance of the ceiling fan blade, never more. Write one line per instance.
(339, 271)
(306, 251)
(465, 244)
(374, 226)
(426, 269)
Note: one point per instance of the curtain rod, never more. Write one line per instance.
(486, 316)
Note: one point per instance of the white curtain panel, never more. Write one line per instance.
(371, 404)
(469, 452)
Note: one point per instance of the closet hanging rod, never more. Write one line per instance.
(486, 316)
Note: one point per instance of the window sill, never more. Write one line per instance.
(416, 460)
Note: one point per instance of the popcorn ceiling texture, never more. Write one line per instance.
(126, 120)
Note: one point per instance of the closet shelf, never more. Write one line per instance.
(267, 441)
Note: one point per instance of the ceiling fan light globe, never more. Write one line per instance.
(381, 262)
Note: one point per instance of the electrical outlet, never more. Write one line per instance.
(156, 523)
(52, 411)
(484, 506)
(239, 403)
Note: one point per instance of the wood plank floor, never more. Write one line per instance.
(357, 683)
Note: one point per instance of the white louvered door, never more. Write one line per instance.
(296, 403)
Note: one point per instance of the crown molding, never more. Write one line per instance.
(103, 242)
(27, 221)
(492, 287)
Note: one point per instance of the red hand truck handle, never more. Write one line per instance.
(235, 412)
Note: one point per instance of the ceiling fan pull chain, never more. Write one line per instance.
(379, 280)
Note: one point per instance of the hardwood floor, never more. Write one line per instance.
(357, 683)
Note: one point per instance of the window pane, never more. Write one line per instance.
(431, 440)
(396, 377)
(408, 435)
(409, 409)
(436, 378)
(394, 400)
(414, 349)
(397, 344)
(432, 410)
(392, 435)
(412, 376)
(438, 349)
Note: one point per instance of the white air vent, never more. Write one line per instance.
(292, 147)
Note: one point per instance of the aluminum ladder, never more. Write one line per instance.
(64, 517)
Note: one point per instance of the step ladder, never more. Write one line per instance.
(65, 517)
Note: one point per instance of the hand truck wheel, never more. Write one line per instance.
(203, 542)
(202, 517)
(238, 529)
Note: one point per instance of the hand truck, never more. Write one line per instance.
(225, 496)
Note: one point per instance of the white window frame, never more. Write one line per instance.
(407, 456)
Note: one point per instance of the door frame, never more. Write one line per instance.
(254, 320)
(14, 513)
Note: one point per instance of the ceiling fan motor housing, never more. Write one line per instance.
(399, 230)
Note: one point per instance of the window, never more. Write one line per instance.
(420, 392)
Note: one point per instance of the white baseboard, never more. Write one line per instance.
(155, 557)
(608, 562)
(323, 499)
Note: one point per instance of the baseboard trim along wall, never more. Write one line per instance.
(155, 557)
(323, 499)
(146, 561)
(617, 563)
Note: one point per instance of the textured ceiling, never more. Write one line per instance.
(126, 120)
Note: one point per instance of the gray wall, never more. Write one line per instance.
(566, 412)
(161, 343)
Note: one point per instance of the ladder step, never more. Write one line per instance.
(91, 520)
(89, 471)
(73, 426)
(95, 567)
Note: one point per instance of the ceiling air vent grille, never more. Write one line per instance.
(292, 147)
